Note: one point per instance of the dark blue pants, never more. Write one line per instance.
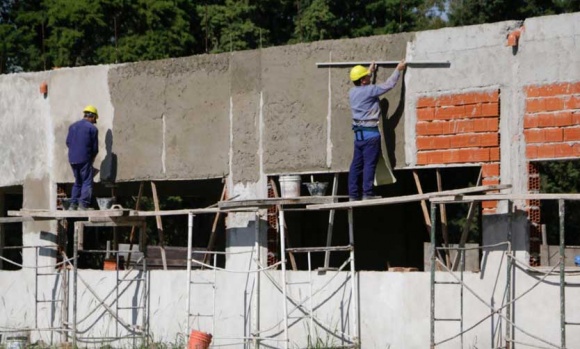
(82, 189)
(363, 166)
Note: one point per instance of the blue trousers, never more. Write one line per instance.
(82, 189)
(363, 167)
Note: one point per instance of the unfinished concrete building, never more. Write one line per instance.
(467, 130)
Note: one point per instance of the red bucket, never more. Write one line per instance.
(199, 340)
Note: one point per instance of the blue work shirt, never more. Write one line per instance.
(82, 142)
(364, 101)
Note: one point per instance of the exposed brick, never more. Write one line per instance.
(554, 103)
(474, 140)
(494, 154)
(452, 112)
(558, 150)
(554, 119)
(490, 181)
(486, 125)
(490, 109)
(532, 151)
(490, 204)
(427, 143)
(473, 155)
(553, 135)
(432, 128)
(572, 134)
(572, 103)
(576, 118)
(534, 136)
(426, 114)
(490, 170)
(426, 102)
(535, 105)
(530, 121)
(547, 90)
(533, 169)
(574, 88)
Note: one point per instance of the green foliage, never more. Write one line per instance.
(466, 12)
(560, 177)
(41, 34)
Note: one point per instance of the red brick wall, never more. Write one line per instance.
(461, 128)
(552, 121)
(552, 131)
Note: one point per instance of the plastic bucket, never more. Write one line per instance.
(17, 342)
(290, 186)
(199, 340)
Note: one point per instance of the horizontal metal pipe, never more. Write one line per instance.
(384, 63)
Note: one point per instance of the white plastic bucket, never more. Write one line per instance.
(290, 186)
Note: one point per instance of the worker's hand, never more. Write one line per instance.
(373, 67)
(402, 65)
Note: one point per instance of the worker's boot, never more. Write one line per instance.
(72, 207)
(371, 197)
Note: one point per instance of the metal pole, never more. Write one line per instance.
(562, 213)
(508, 310)
(462, 272)
(283, 260)
(311, 302)
(75, 276)
(354, 294)
(189, 241)
(256, 293)
(432, 320)
(382, 63)
(142, 234)
(36, 288)
(330, 223)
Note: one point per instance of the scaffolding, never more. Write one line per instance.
(506, 310)
(305, 306)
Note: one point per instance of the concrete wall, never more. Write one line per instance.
(249, 114)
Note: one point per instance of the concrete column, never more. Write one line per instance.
(39, 194)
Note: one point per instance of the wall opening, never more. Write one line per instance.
(386, 236)
(557, 177)
(173, 195)
(11, 233)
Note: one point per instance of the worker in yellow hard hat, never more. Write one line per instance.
(83, 145)
(364, 104)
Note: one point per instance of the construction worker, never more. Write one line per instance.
(364, 103)
(83, 145)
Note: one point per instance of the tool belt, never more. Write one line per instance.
(359, 132)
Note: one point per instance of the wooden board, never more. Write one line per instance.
(408, 198)
(302, 200)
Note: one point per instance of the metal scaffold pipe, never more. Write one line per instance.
(412, 64)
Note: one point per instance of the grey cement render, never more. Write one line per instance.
(209, 116)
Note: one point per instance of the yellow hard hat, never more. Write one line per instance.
(357, 72)
(91, 109)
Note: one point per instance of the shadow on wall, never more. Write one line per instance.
(109, 163)
(390, 123)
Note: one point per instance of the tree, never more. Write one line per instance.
(466, 12)
(230, 26)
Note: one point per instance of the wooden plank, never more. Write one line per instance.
(408, 198)
(5, 220)
(159, 224)
(264, 203)
(68, 214)
(423, 202)
(443, 212)
(181, 212)
(279, 208)
(212, 235)
(466, 227)
(137, 205)
(513, 197)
